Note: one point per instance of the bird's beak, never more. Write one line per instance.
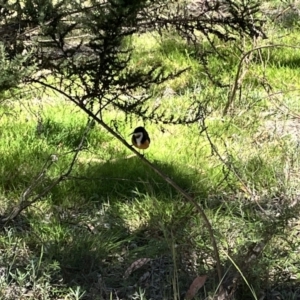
(134, 133)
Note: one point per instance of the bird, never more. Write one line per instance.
(140, 138)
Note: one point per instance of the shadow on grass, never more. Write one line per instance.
(94, 238)
(181, 232)
(125, 179)
(286, 62)
(83, 229)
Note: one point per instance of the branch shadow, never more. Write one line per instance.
(95, 244)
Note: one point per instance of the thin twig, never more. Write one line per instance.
(175, 186)
(228, 165)
(154, 168)
(25, 200)
(231, 168)
(239, 77)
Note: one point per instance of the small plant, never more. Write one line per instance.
(76, 293)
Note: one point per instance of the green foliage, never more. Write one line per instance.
(13, 71)
(39, 11)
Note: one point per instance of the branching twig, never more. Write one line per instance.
(153, 167)
(174, 185)
(239, 76)
(228, 165)
(231, 168)
(27, 199)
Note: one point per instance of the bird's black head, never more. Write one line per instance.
(139, 129)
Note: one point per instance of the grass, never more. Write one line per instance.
(78, 240)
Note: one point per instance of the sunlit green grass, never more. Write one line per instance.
(113, 209)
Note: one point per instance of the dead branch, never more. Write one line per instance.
(239, 76)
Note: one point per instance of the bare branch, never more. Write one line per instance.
(28, 198)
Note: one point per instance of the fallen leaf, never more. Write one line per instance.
(195, 286)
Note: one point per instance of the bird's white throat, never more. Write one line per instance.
(138, 138)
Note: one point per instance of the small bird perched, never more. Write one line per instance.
(140, 138)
